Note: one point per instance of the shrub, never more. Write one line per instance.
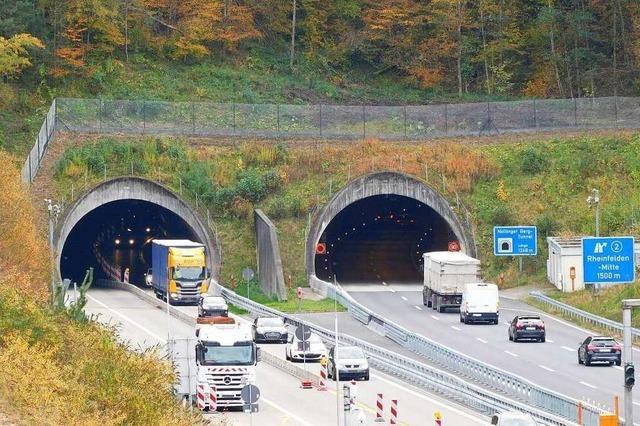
(533, 162)
(252, 186)
(547, 226)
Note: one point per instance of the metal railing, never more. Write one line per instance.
(579, 314)
(465, 366)
(45, 135)
(330, 122)
(444, 382)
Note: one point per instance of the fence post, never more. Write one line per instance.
(405, 122)
(234, 118)
(364, 123)
(55, 115)
(575, 112)
(100, 115)
(615, 109)
(144, 117)
(446, 118)
(321, 120)
(535, 115)
(193, 118)
(46, 132)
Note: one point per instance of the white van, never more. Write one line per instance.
(479, 303)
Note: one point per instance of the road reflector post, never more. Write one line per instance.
(379, 409)
(580, 413)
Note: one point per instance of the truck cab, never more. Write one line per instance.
(179, 270)
(226, 359)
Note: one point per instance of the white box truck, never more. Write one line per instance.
(480, 303)
(445, 274)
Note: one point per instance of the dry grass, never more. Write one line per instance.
(56, 371)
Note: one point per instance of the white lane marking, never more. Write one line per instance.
(481, 340)
(589, 385)
(507, 323)
(391, 290)
(636, 403)
(124, 317)
(550, 341)
(567, 348)
(456, 328)
(544, 367)
(288, 413)
(418, 308)
(435, 317)
(426, 398)
(404, 298)
(511, 353)
(617, 367)
(383, 283)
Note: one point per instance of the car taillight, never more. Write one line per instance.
(617, 348)
(519, 326)
(541, 325)
(591, 348)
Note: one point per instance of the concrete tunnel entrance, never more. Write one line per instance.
(117, 220)
(377, 228)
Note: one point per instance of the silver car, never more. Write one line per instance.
(513, 418)
(351, 363)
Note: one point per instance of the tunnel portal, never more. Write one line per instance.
(381, 238)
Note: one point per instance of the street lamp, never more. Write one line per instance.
(594, 200)
(54, 211)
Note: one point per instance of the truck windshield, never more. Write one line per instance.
(228, 355)
(188, 273)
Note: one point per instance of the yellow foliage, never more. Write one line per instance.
(14, 56)
(501, 191)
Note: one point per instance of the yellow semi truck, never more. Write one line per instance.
(179, 270)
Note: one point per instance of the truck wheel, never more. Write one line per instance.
(441, 309)
(426, 299)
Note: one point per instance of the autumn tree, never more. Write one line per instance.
(14, 53)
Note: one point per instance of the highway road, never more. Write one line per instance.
(552, 364)
(282, 400)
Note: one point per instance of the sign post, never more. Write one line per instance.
(608, 260)
(247, 275)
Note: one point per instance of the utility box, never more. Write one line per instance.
(608, 419)
(564, 264)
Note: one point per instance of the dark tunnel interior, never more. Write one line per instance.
(381, 238)
(121, 231)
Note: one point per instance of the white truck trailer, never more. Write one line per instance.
(445, 274)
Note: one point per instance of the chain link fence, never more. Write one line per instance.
(341, 122)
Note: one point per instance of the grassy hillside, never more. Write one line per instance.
(537, 180)
(79, 373)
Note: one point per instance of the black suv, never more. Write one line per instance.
(599, 349)
(527, 327)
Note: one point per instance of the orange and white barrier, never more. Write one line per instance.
(200, 397)
(213, 398)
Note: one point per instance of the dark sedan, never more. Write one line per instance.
(599, 349)
(530, 327)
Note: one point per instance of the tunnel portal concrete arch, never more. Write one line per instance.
(391, 188)
(136, 189)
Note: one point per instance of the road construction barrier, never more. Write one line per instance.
(394, 412)
(437, 417)
(213, 398)
(200, 397)
(379, 409)
(323, 376)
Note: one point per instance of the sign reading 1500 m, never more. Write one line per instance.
(608, 260)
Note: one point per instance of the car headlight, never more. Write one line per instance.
(174, 295)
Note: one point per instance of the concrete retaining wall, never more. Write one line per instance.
(268, 253)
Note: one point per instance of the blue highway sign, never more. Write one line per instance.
(608, 260)
(515, 240)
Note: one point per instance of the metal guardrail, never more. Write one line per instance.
(573, 312)
(554, 412)
(465, 366)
